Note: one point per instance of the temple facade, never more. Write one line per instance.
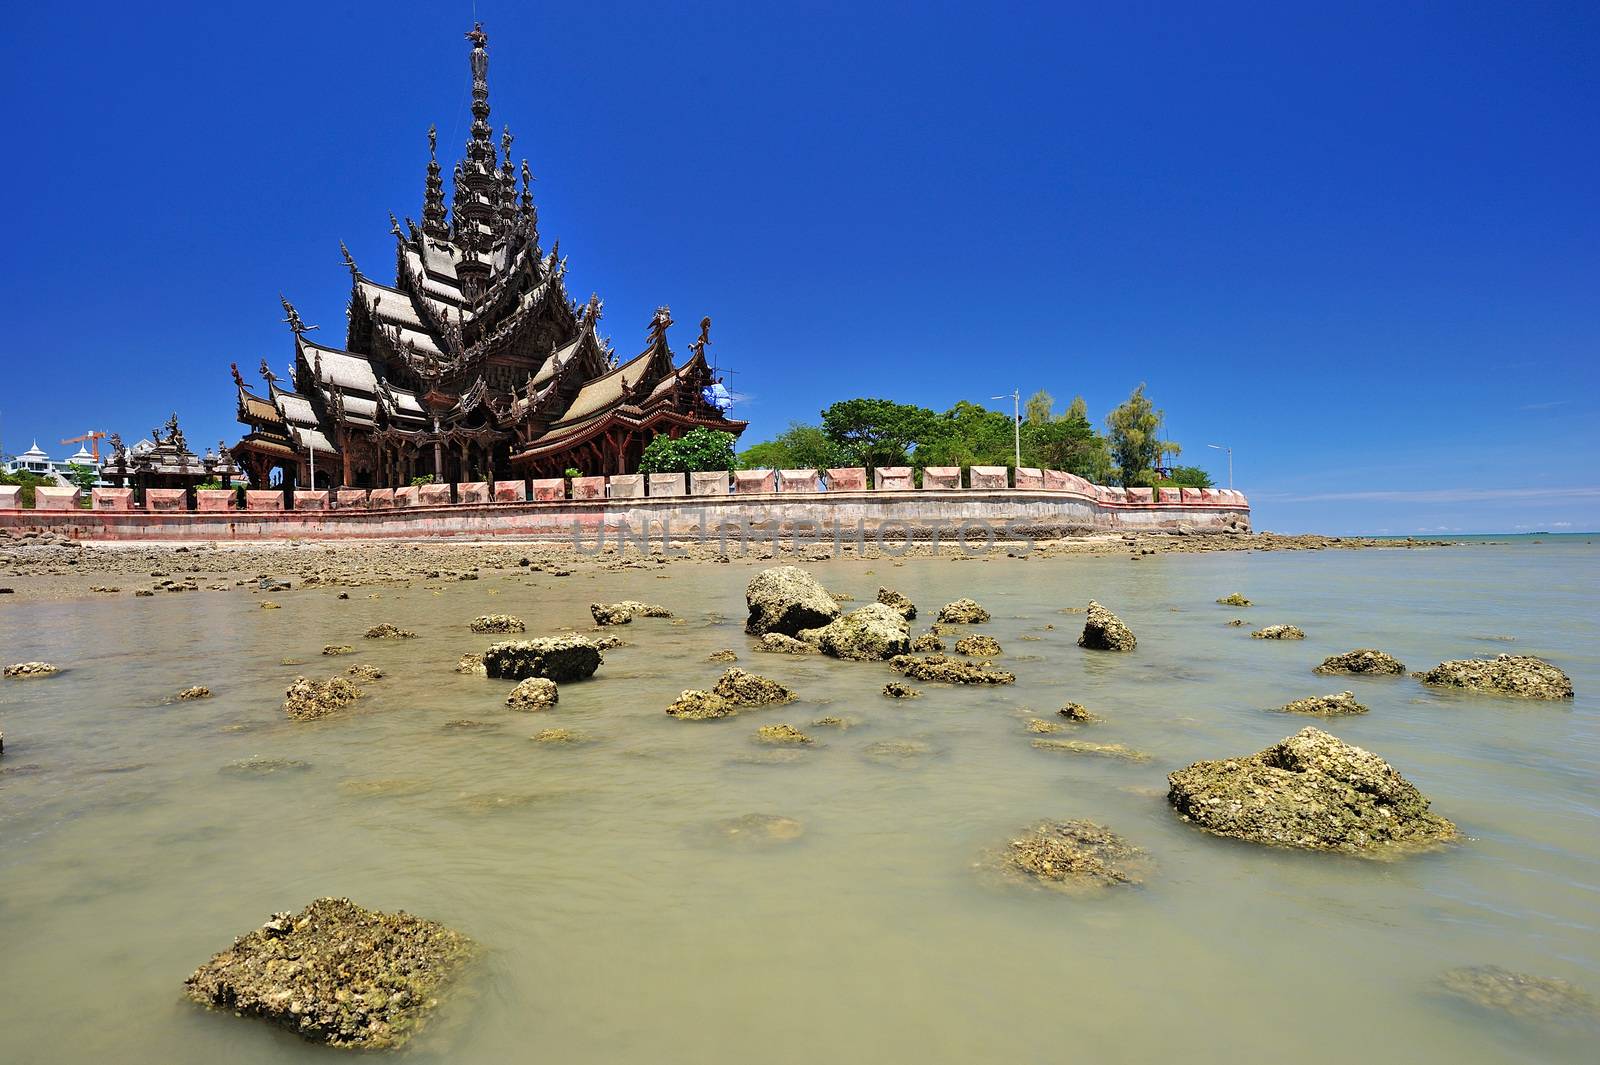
(475, 364)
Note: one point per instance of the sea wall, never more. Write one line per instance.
(917, 513)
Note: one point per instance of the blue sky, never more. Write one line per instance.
(1359, 243)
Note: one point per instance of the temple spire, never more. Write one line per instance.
(433, 215)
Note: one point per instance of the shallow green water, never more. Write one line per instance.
(618, 931)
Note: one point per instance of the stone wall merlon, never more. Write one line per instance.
(381, 499)
(102, 498)
(941, 477)
(310, 499)
(668, 484)
(472, 492)
(166, 499)
(847, 479)
(754, 482)
(1030, 477)
(515, 491)
(349, 499)
(625, 486)
(433, 495)
(51, 497)
(893, 479)
(797, 481)
(588, 488)
(708, 483)
(212, 500)
(988, 477)
(11, 497)
(263, 499)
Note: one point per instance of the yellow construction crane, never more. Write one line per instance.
(94, 436)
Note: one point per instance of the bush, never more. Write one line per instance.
(28, 481)
(693, 452)
(418, 482)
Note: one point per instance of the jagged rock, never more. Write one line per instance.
(199, 691)
(1236, 623)
(1523, 676)
(1364, 661)
(1278, 632)
(727, 654)
(938, 668)
(332, 649)
(1074, 856)
(778, 643)
(895, 601)
(624, 612)
(562, 659)
(1038, 724)
(787, 599)
(266, 604)
(896, 690)
(696, 704)
(1234, 600)
(751, 689)
(873, 633)
(978, 645)
(498, 623)
(387, 631)
(1325, 705)
(307, 700)
(1104, 631)
(335, 973)
(535, 693)
(607, 643)
(1540, 999)
(470, 663)
(963, 612)
(364, 671)
(30, 670)
(1079, 713)
(928, 643)
(1107, 750)
(1311, 790)
(781, 734)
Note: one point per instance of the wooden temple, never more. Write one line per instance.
(475, 364)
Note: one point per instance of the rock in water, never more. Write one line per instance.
(1531, 998)
(1104, 631)
(697, 704)
(896, 690)
(335, 973)
(756, 830)
(978, 646)
(1364, 661)
(781, 734)
(624, 612)
(1311, 790)
(1104, 750)
(559, 658)
(1075, 855)
(962, 612)
(498, 623)
(944, 670)
(1325, 705)
(873, 633)
(199, 691)
(778, 643)
(1523, 676)
(331, 649)
(535, 693)
(895, 601)
(365, 671)
(387, 631)
(727, 654)
(307, 700)
(1082, 715)
(787, 599)
(1278, 632)
(751, 689)
(1234, 600)
(927, 643)
(471, 663)
(30, 670)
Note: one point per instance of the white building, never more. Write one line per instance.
(35, 460)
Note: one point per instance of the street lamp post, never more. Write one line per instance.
(1229, 450)
(1016, 424)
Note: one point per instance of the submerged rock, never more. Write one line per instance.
(335, 973)
(1079, 713)
(778, 643)
(30, 670)
(1074, 855)
(263, 767)
(557, 735)
(755, 830)
(198, 691)
(727, 654)
(1311, 790)
(903, 752)
(896, 690)
(1530, 998)
(535, 693)
(497, 623)
(1278, 632)
(1234, 600)
(307, 700)
(873, 633)
(624, 612)
(962, 612)
(1325, 705)
(1523, 676)
(1107, 750)
(781, 734)
(832, 721)
(387, 631)
(978, 646)
(787, 599)
(942, 670)
(1364, 661)
(470, 663)
(331, 649)
(559, 658)
(895, 601)
(364, 671)
(1040, 725)
(928, 643)
(1104, 631)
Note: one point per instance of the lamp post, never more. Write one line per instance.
(1229, 450)
(1016, 424)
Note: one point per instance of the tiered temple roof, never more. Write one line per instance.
(476, 362)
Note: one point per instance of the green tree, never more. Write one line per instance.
(1078, 408)
(1189, 477)
(1039, 409)
(1068, 443)
(694, 451)
(878, 432)
(800, 447)
(28, 481)
(968, 435)
(1131, 430)
(82, 477)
